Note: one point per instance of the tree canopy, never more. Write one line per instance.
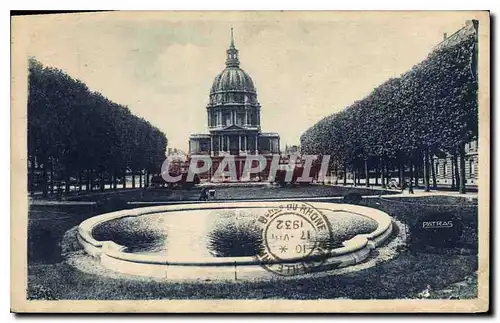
(77, 130)
(431, 109)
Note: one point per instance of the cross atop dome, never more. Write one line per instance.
(232, 53)
(232, 39)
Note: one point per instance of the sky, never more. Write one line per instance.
(304, 66)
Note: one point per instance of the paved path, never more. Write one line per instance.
(47, 202)
(417, 191)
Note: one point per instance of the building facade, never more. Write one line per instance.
(233, 117)
(446, 168)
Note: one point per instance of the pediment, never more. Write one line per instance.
(234, 127)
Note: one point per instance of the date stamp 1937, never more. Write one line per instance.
(296, 237)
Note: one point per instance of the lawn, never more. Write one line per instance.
(231, 193)
(404, 277)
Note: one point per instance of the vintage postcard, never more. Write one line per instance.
(250, 162)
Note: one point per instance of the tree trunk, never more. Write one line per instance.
(87, 184)
(455, 172)
(433, 173)
(91, 180)
(140, 179)
(367, 176)
(51, 183)
(462, 189)
(44, 180)
(412, 172)
(452, 174)
(66, 182)
(124, 179)
(101, 182)
(426, 171)
(146, 179)
(115, 180)
(133, 179)
(31, 174)
(401, 175)
(345, 175)
(417, 172)
(382, 173)
(80, 181)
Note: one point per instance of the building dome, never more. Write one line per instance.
(233, 85)
(232, 79)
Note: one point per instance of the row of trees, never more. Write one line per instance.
(79, 136)
(429, 111)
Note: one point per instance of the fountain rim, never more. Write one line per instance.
(113, 250)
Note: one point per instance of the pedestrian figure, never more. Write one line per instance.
(410, 187)
(203, 195)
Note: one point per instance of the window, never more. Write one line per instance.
(227, 118)
(471, 167)
(239, 118)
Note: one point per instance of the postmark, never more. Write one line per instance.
(296, 238)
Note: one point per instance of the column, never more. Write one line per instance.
(246, 117)
(246, 143)
(211, 145)
(227, 143)
(209, 119)
(256, 144)
(220, 144)
(239, 143)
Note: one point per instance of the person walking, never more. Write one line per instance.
(203, 195)
(410, 187)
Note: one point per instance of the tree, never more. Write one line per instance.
(80, 132)
(429, 110)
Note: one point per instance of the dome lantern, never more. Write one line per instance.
(232, 54)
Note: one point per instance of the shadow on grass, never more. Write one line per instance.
(406, 276)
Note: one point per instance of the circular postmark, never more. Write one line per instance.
(296, 239)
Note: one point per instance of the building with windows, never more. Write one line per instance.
(233, 117)
(445, 167)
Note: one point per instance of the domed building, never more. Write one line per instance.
(233, 113)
